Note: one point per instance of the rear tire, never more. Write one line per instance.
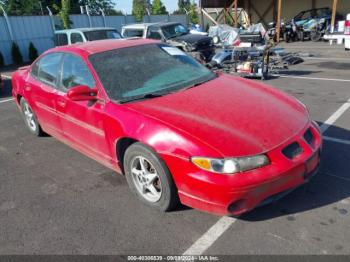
(30, 119)
(149, 178)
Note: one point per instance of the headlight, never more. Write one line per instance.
(230, 165)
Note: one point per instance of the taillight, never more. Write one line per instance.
(347, 27)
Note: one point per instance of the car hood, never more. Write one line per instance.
(191, 38)
(236, 116)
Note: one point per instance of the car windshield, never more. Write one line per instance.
(171, 31)
(303, 15)
(144, 71)
(102, 34)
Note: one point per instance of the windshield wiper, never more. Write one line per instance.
(197, 84)
(146, 96)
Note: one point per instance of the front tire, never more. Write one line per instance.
(149, 178)
(315, 36)
(30, 119)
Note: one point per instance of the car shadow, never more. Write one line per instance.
(330, 185)
(292, 72)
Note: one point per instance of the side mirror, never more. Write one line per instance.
(82, 93)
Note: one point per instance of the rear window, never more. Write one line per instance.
(61, 39)
(133, 33)
(102, 34)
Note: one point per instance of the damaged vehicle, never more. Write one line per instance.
(176, 130)
(199, 46)
(225, 35)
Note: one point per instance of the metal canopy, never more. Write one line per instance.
(215, 3)
(229, 5)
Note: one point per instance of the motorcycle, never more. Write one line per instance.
(291, 32)
(315, 29)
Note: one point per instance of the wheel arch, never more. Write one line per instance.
(121, 145)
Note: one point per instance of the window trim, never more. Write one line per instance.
(58, 41)
(76, 33)
(59, 84)
(55, 85)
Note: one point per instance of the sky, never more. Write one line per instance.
(171, 5)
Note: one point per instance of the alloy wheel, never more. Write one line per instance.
(146, 179)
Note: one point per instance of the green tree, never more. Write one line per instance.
(2, 62)
(182, 6)
(115, 12)
(190, 8)
(16, 54)
(193, 13)
(18, 7)
(33, 52)
(63, 13)
(95, 6)
(158, 8)
(139, 8)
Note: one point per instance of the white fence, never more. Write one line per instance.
(39, 29)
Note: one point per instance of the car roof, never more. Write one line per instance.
(84, 29)
(144, 25)
(100, 46)
(138, 26)
(168, 23)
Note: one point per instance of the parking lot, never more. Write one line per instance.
(53, 200)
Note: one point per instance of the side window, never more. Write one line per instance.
(61, 39)
(133, 33)
(49, 68)
(153, 33)
(35, 69)
(75, 73)
(76, 38)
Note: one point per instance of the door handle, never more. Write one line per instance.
(27, 87)
(61, 102)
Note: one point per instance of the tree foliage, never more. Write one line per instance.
(139, 8)
(16, 54)
(95, 6)
(33, 7)
(63, 13)
(158, 8)
(33, 52)
(2, 61)
(182, 6)
(188, 7)
(193, 13)
(18, 7)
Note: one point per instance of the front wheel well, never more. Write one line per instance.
(19, 97)
(121, 146)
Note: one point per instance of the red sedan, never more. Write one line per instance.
(177, 131)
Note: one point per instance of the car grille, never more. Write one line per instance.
(292, 150)
(309, 137)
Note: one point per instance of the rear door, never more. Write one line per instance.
(41, 88)
(82, 121)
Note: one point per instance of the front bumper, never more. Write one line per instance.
(238, 193)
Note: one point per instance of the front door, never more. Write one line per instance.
(82, 121)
